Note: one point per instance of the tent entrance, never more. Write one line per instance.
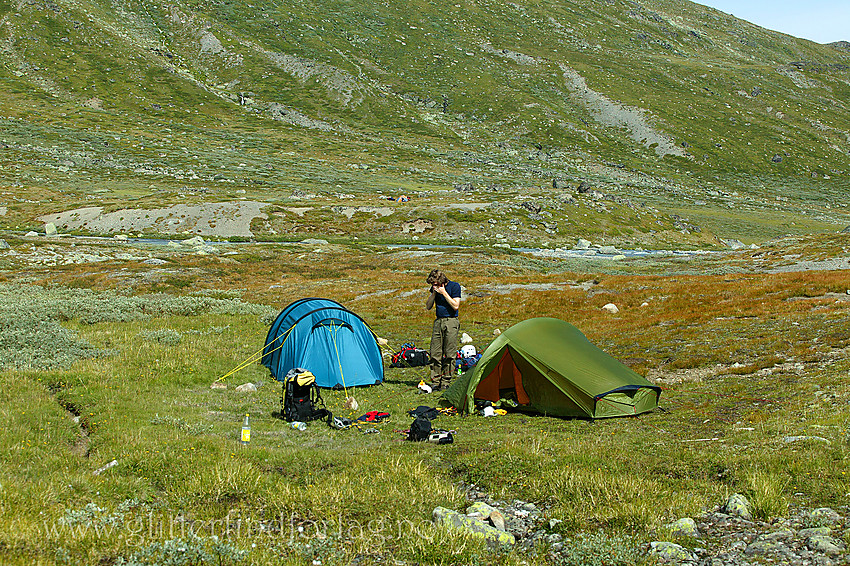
(504, 378)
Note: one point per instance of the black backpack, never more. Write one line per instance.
(410, 356)
(420, 429)
(302, 400)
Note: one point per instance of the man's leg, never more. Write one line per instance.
(436, 352)
(450, 335)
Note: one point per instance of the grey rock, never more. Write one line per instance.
(196, 241)
(456, 521)
(207, 250)
(210, 44)
(4, 245)
(582, 244)
(246, 388)
(814, 532)
(671, 552)
(155, 261)
(584, 187)
(761, 547)
(314, 242)
(738, 506)
(31, 234)
(776, 158)
(825, 545)
(50, 229)
(825, 513)
(484, 512)
(732, 243)
(684, 527)
(780, 535)
(531, 207)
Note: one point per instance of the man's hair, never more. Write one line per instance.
(436, 277)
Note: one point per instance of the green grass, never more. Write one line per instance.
(147, 404)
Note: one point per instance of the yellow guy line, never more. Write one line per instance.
(258, 355)
(338, 360)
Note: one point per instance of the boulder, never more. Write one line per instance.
(582, 244)
(484, 512)
(671, 552)
(738, 506)
(762, 547)
(776, 158)
(456, 521)
(314, 242)
(684, 527)
(814, 532)
(611, 307)
(732, 243)
(584, 187)
(825, 545)
(4, 245)
(781, 534)
(825, 514)
(50, 229)
(465, 338)
(246, 388)
(196, 241)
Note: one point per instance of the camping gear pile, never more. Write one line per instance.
(422, 430)
(410, 356)
(467, 357)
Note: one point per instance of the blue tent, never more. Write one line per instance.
(322, 336)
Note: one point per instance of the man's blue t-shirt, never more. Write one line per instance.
(441, 305)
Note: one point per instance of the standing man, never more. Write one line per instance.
(445, 295)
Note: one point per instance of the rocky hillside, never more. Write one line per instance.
(678, 119)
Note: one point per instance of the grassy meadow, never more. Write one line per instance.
(114, 366)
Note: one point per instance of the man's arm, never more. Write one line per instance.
(454, 302)
(429, 302)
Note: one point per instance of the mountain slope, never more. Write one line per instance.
(670, 103)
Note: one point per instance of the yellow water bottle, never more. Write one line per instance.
(246, 431)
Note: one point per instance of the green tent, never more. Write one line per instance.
(548, 366)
